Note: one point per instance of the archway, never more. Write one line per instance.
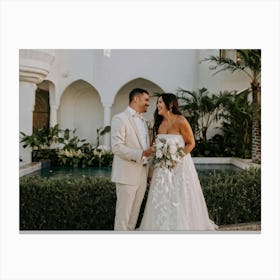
(122, 97)
(81, 109)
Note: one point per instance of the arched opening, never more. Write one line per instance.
(122, 96)
(80, 108)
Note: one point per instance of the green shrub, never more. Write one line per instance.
(85, 157)
(203, 109)
(88, 203)
(233, 198)
(84, 203)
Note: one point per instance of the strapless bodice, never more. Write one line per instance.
(176, 137)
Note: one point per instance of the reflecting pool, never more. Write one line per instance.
(56, 171)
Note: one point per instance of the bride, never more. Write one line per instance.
(175, 200)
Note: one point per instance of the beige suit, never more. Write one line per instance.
(128, 171)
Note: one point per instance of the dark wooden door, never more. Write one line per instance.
(41, 114)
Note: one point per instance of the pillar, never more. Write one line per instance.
(53, 115)
(34, 66)
(53, 106)
(26, 108)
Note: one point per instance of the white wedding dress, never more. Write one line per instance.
(175, 200)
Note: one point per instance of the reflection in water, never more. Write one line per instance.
(56, 171)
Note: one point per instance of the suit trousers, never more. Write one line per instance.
(129, 200)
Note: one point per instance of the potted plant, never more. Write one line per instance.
(41, 142)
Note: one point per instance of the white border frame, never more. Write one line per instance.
(145, 24)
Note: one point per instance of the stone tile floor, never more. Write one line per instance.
(242, 227)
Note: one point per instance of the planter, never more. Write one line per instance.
(46, 156)
(45, 163)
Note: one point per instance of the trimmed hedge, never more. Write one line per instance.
(68, 203)
(233, 198)
(88, 203)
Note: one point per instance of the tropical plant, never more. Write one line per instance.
(70, 157)
(85, 156)
(41, 141)
(41, 138)
(201, 108)
(248, 62)
(100, 132)
(70, 140)
(237, 125)
(233, 113)
(74, 151)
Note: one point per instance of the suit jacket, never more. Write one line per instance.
(127, 149)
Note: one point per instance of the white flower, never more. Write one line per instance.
(159, 145)
(168, 153)
(102, 148)
(169, 163)
(170, 142)
(165, 150)
(174, 157)
(159, 154)
(172, 149)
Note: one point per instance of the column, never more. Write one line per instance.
(26, 108)
(34, 66)
(53, 106)
(53, 115)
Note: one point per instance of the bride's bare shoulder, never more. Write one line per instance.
(182, 123)
(181, 119)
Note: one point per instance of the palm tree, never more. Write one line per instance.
(248, 62)
(201, 108)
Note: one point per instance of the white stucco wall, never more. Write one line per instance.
(224, 80)
(169, 69)
(87, 87)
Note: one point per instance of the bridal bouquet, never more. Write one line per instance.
(168, 153)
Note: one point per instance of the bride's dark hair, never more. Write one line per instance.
(171, 102)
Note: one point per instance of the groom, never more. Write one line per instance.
(130, 145)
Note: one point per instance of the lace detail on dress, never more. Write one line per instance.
(175, 200)
(164, 199)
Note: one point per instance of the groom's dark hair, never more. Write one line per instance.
(135, 92)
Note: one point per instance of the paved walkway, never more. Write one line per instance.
(242, 227)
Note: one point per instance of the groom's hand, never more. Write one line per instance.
(147, 153)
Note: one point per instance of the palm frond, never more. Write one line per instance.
(222, 64)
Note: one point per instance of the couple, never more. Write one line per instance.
(175, 200)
